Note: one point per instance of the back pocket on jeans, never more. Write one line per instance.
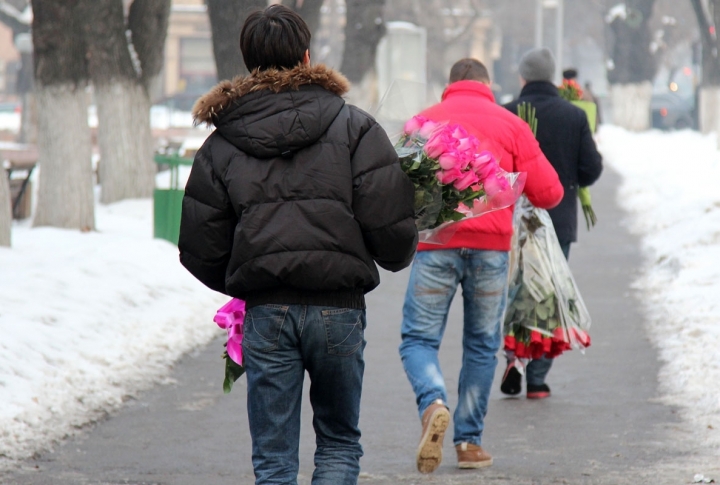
(344, 328)
(262, 327)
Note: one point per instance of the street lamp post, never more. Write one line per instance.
(559, 6)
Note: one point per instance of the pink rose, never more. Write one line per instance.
(438, 144)
(495, 185)
(449, 160)
(448, 176)
(458, 132)
(428, 128)
(468, 144)
(466, 180)
(414, 124)
(484, 165)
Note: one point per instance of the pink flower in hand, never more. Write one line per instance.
(484, 165)
(438, 144)
(448, 176)
(428, 128)
(459, 132)
(449, 160)
(414, 124)
(466, 180)
(468, 144)
(495, 185)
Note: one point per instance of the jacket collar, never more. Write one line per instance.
(544, 88)
(276, 80)
(469, 88)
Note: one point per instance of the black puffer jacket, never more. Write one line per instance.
(295, 194)
(566, 140)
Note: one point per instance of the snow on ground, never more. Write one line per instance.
(671, 188)
(87, 319)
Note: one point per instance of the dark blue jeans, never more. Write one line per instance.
(281, 342)
(537, 369)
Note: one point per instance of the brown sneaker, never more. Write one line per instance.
(435, 421)
(472, 456)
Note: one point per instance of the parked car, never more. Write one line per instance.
(671, 111)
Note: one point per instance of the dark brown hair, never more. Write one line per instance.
(276, 37)
(469, 69)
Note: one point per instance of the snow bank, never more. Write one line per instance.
(670, 187)
(88, 319)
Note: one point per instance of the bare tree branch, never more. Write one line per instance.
(18, 21)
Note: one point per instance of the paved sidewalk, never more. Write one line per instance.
(603, 424)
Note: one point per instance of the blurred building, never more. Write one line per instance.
(9, 61)
(189, 62)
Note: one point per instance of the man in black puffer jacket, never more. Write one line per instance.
(565, 138)
(291, 201)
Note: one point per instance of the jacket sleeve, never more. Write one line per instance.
(207, 223)
(542, 187)
(383, 199)
(590, 162)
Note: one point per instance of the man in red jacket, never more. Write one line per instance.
(477, 258)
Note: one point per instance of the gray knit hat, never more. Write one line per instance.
(537, 65)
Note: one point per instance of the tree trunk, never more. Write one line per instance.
(634, 66)
(126, 169)
(309, 10)
(226, 22)
(126, 166)
(631, 105)
(709, 110)
(5, 210)
(148, 23)
(363, 30)
(709, 95)
(65, 189)
(65, 196)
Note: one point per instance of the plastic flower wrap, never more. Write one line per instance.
(546, 314)
(455, 175)
(231, 317)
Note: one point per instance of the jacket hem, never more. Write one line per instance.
(354, 298)
(470, 240)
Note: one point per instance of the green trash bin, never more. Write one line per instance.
(167, 203)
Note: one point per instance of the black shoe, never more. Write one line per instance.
(512, 380)
(538, 392)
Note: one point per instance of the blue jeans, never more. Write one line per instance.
(434, 279)
(281, 342)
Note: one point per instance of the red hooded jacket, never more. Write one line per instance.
(472, 105)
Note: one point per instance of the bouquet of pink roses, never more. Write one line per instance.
(455, 175)
(231, 317)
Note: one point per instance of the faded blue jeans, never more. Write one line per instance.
(281, 342)
(434, 279)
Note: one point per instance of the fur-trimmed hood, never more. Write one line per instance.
(274, 112)
(226, 92)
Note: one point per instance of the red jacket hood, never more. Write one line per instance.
(472, 105)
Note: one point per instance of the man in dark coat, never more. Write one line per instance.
(291, 202)
(565, 138)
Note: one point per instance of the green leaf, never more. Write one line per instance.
(233, 371)
(542, 312)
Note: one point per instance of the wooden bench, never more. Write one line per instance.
(19, 158)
